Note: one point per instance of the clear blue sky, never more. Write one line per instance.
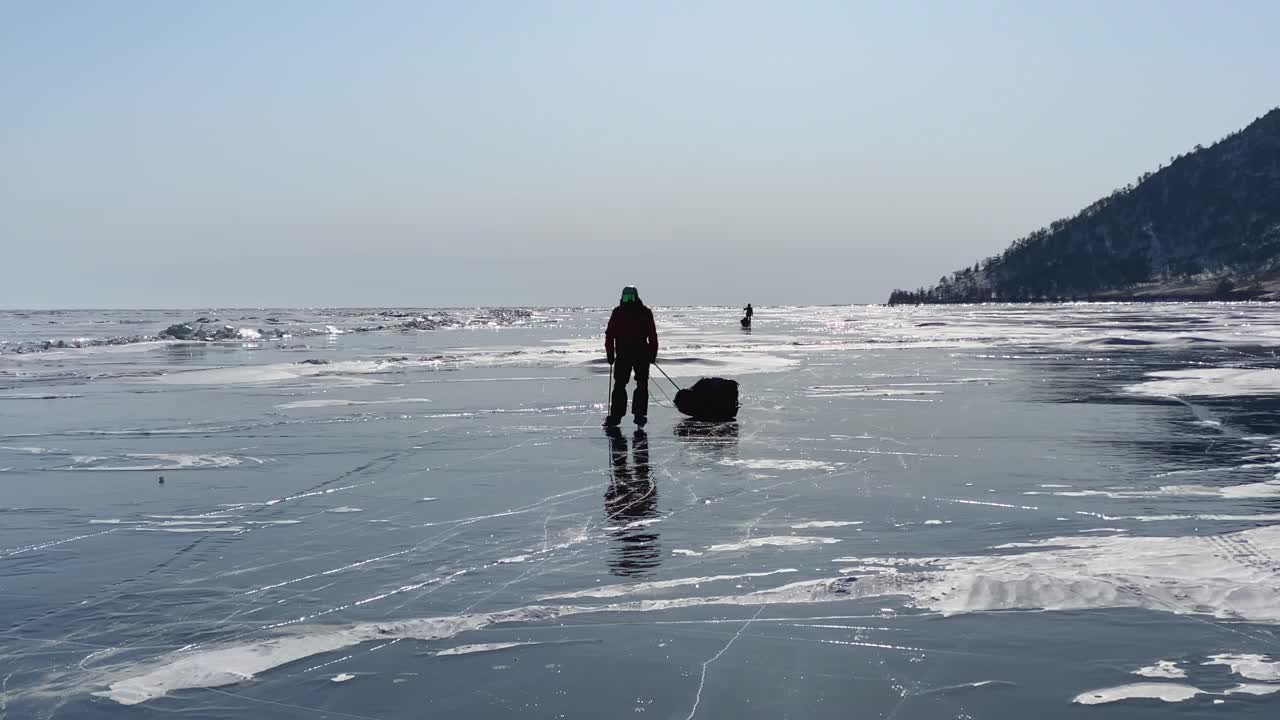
(419, 153)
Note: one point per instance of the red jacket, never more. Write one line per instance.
(631, 334)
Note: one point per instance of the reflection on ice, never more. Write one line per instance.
(631, 505)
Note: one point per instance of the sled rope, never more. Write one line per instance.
(664, 374)
(664, 393)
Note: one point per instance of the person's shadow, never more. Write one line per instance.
(631, 505)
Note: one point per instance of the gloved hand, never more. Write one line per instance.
(609, 356)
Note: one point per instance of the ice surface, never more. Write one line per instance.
(1226, 576)
(221, 666)
(834, 548)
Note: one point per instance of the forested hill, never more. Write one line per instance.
(1205, 226)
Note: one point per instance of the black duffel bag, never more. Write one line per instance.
(710, 399)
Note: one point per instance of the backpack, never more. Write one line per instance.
(710, 399)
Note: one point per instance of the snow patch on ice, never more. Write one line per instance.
(1266, 488)
(1162, 669)
(779, 464)
(219, 529)
(152, 462)
(286, 372)
(335, 402)
(825, 524)
(485, 647)
(1211, 517)
(28, 450)
(1228, 576)
(774, 541)
(609, 591)
(1253, 667)
(1168, 692)
(1211, 382)
(865, 391)
(272, 522)
(1253, 689)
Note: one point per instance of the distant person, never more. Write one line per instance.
(748, 312)
(630, 344)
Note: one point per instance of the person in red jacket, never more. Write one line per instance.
(630, 344)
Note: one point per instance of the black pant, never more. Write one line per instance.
(622, 370)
